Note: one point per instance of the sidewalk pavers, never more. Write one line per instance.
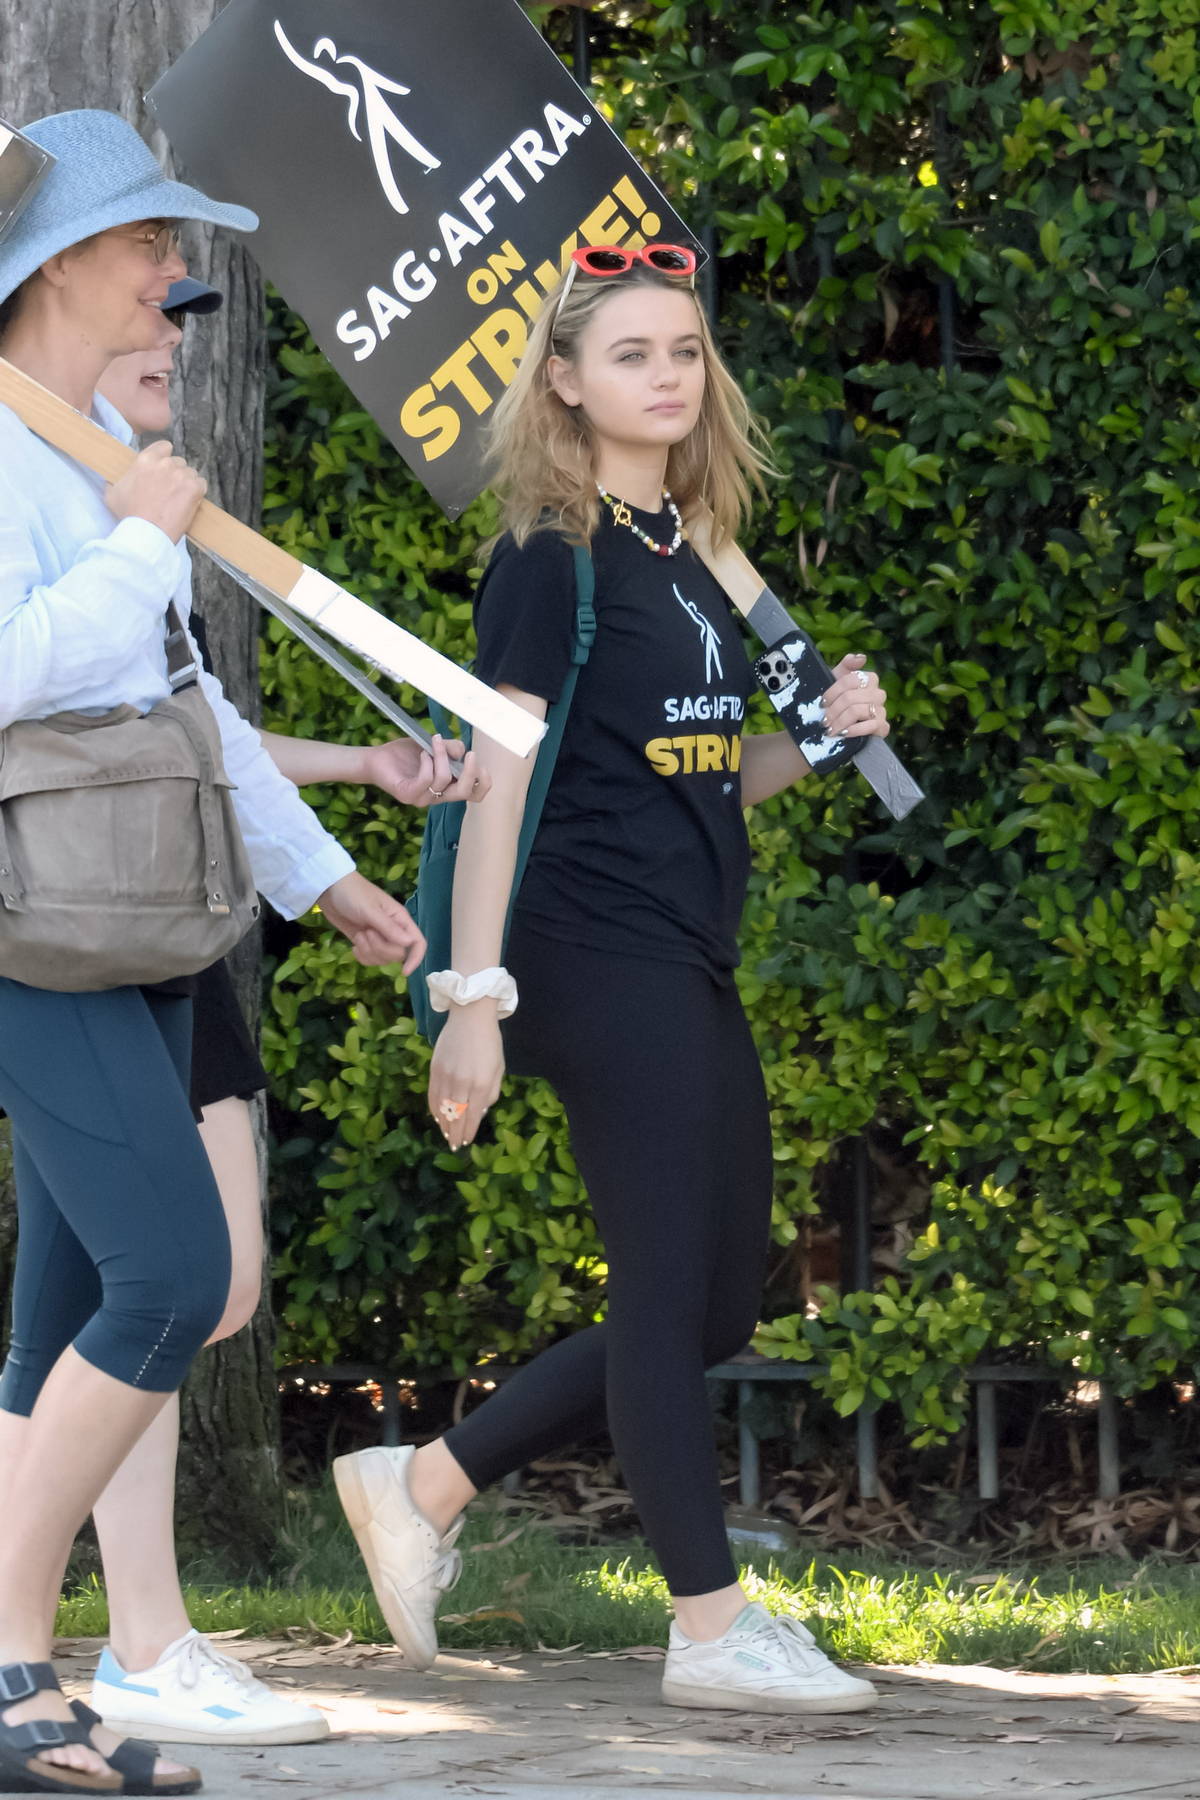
(513, 1726)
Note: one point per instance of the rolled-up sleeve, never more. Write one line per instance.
(293, 857)
(59, 638)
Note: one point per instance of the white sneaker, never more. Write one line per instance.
(409, 1564)
(194, 1694)
(762, 1664)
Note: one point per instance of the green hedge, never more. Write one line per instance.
(1007, 984)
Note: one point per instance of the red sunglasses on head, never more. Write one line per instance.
(609, 259)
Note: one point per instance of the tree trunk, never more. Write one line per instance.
(54, 56)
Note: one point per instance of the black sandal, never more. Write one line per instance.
(23, 1770)
(134, 1761)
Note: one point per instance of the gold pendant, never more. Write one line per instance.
(621, 513)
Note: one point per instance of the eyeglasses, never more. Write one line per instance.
(160, 240)
(175, 315)
(608, 259)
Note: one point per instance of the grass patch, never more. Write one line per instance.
(1095, 1618)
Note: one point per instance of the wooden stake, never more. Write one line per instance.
(396, 651)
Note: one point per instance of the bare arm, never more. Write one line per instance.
(468, 1063)
(401, 768)
(309, 763)
(770, 763)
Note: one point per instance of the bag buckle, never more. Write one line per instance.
(188, 673)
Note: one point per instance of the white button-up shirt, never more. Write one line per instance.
(83, 599)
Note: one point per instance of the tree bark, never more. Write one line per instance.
(54, 56)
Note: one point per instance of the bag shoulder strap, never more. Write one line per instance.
(556, 717)
(581, 649)
(182, 671)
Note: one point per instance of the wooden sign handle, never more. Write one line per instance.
(254, 559)
(89, 443)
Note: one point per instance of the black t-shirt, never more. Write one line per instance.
(642, 846)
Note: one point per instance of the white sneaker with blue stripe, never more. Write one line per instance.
(194, 1694)
(761, 1664)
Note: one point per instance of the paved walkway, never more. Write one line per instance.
(518, 1727)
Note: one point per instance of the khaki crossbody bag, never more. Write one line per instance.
(121, 861)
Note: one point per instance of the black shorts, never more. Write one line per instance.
(225, 1064)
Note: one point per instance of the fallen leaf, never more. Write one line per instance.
(498, 1543)
(480, 1614)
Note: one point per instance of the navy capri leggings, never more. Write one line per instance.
(122, 1247)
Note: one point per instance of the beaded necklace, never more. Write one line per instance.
(623, 516)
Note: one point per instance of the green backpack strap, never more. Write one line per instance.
(556, 719)
(431, 904)
(441, 720)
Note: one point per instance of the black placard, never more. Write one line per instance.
(422, 169)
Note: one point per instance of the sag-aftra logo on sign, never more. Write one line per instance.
(421, 173)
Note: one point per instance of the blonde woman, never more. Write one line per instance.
(623, 946)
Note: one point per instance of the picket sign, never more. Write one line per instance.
(24, 165)
(770, 620)
(321, 601)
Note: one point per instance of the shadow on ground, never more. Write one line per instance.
(523, 1727)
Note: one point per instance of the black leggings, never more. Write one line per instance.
(664, 1097)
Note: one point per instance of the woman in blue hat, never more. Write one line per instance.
(114, 1192)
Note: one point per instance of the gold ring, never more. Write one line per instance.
(874, 711)
(437, 792)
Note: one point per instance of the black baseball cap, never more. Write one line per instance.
(192, 296)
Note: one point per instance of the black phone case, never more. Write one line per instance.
(793, 674)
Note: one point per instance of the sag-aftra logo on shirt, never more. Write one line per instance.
(697, 753)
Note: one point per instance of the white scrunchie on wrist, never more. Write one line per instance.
(446, 988)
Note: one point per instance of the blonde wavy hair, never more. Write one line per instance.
(541, 452)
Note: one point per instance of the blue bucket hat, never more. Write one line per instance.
(104, 175)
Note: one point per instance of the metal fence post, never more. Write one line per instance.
(581, 48)
(1108, 1445)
